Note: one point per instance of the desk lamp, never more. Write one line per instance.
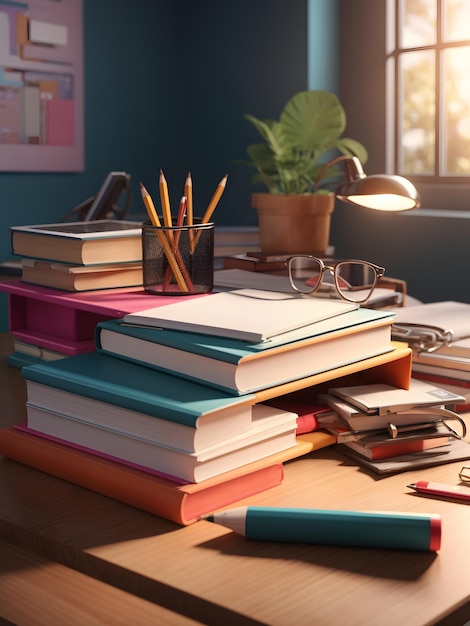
(379, 191)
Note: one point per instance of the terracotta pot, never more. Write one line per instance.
(293, 224)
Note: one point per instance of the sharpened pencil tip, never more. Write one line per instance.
(207, 518)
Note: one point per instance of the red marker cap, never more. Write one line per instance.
(435, 532)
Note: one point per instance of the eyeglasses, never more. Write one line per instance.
(352, 280)
(464, 474)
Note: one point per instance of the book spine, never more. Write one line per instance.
(171, 340)
(441, 380)
(378, 453)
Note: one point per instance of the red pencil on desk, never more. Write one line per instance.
(440, 489)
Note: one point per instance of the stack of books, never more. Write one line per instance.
(389, 429)
(256, 261)
(80, 256)
(183, 436)
(440, 338)
(235, 240)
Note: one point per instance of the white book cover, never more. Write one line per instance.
(383, 399)
(360, 421)
(246, 314)
(446, 315)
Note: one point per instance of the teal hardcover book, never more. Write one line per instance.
(176, 411)
(240, 367)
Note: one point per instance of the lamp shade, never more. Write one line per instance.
(379, 191)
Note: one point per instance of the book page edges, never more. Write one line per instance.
(392, 367)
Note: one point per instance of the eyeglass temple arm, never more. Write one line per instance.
(394, 283)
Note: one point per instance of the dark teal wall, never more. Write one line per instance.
(239, 57)
(127, 44)
(167, 83)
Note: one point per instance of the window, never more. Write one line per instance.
(428, 91)
(406, 91)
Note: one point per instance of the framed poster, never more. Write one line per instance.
(41, 86)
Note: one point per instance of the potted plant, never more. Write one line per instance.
(294, 215)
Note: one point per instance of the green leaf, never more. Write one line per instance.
(354, 148)
(271, 131)
(311, 117)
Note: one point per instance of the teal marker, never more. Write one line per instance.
(398, 531)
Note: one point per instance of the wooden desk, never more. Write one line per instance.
(34, 590)
(209, 574)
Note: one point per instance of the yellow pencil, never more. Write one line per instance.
(150, 208)
(212, 206)
(215, 200)
(188, 192)
(165, 200)
(176, 251)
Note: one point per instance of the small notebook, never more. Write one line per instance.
(380, 399)
(458, 450)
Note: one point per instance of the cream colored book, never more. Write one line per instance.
(246, 314)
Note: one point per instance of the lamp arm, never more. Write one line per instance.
(359, 173)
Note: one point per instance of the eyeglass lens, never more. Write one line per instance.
(355, 280)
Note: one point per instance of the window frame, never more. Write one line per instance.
(363, 70)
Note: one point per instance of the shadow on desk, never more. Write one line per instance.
(364, 561)
(75, 514)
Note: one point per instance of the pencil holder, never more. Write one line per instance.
(178, 261)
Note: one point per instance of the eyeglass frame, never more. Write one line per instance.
(378, 274)
(464, 474)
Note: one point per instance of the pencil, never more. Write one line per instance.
(176, 251)
(212, 205)
(215, 200)
(165, 200)
(188, 192)
(181, 212)
(150, 208)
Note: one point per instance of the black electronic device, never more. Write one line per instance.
(112, 201)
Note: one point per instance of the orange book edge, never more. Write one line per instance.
(179, 503)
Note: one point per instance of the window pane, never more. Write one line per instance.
(456, 111)
(418, 23)
(456, 20)
(416, 113)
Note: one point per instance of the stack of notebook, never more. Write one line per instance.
(439, 333)
(390, 429)
(171, 398)
(80, 256)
